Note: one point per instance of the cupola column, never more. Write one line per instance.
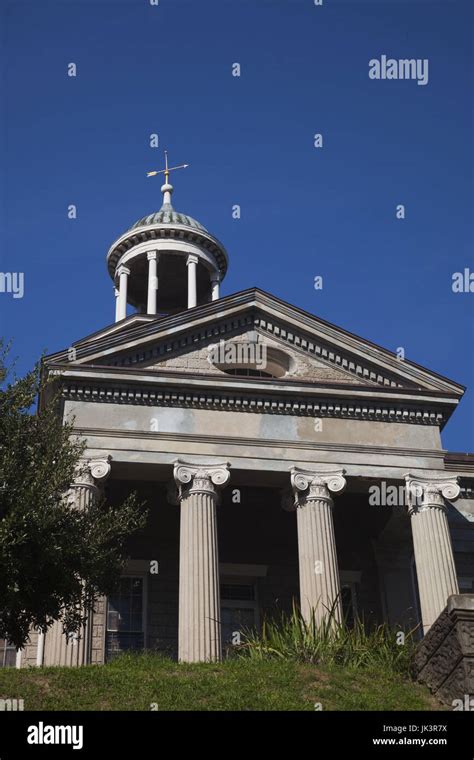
(123, 273)
(152, 281)
(191, 263)
(215, 285)
(117, 293)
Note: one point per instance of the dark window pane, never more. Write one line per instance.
(7, 654)
(137, 605)
(238, 591)
(123, 605)
(10, 659)
(235, 619)
(347, 605)
(115, 643)
(125, 609)
(112, 620)
(124, 622)
(246, 372)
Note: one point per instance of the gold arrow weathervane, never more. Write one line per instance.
(166, 171)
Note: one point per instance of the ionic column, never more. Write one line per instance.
(89, 483)
(191, 263)
(199, 635)
(121, 312)
(215, 284)
(152, 257)
(76, 649)
(435, 568)
(319, 573)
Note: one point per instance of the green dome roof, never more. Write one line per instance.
(167, 215)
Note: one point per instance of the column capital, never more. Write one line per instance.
(313, 485)
(122, 270)
(430, 492)
(192, 259)
(153, 255)
(93, 472)
(215, 277)
(88, 482)
(192, 478)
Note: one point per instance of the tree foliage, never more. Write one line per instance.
(54, 559)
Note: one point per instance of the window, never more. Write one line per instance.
(348, 602)
(250, 359)
(247, 372)
(239, 608)
(466, 584)
(7, 654)
(350, 580)
(125, 617)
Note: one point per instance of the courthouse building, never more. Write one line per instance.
(282, 458)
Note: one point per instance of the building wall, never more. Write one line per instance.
(28, 655)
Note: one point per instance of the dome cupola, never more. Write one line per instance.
(166, 262)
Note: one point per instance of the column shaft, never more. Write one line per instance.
(434, 559)
(152, 282)
(319, 573)
(199, 635)
(117, 304)
(122, 297)
(215, 284)
(199, 598)
(320, 589)
(191, 263)
(75, 650)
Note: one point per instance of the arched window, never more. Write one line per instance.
(250, 359)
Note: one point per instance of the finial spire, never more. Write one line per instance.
(166, 189)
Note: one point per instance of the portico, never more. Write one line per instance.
(213, 526)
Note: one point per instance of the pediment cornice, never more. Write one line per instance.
(148, 341)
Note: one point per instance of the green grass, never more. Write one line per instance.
(134, 682)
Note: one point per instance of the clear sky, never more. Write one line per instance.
(305, 211)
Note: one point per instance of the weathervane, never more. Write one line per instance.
(166, 171)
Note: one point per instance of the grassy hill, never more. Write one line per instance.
(148, 681)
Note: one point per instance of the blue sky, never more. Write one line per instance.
(167, 69)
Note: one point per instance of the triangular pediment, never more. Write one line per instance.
(254, 349)
(317, 352)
